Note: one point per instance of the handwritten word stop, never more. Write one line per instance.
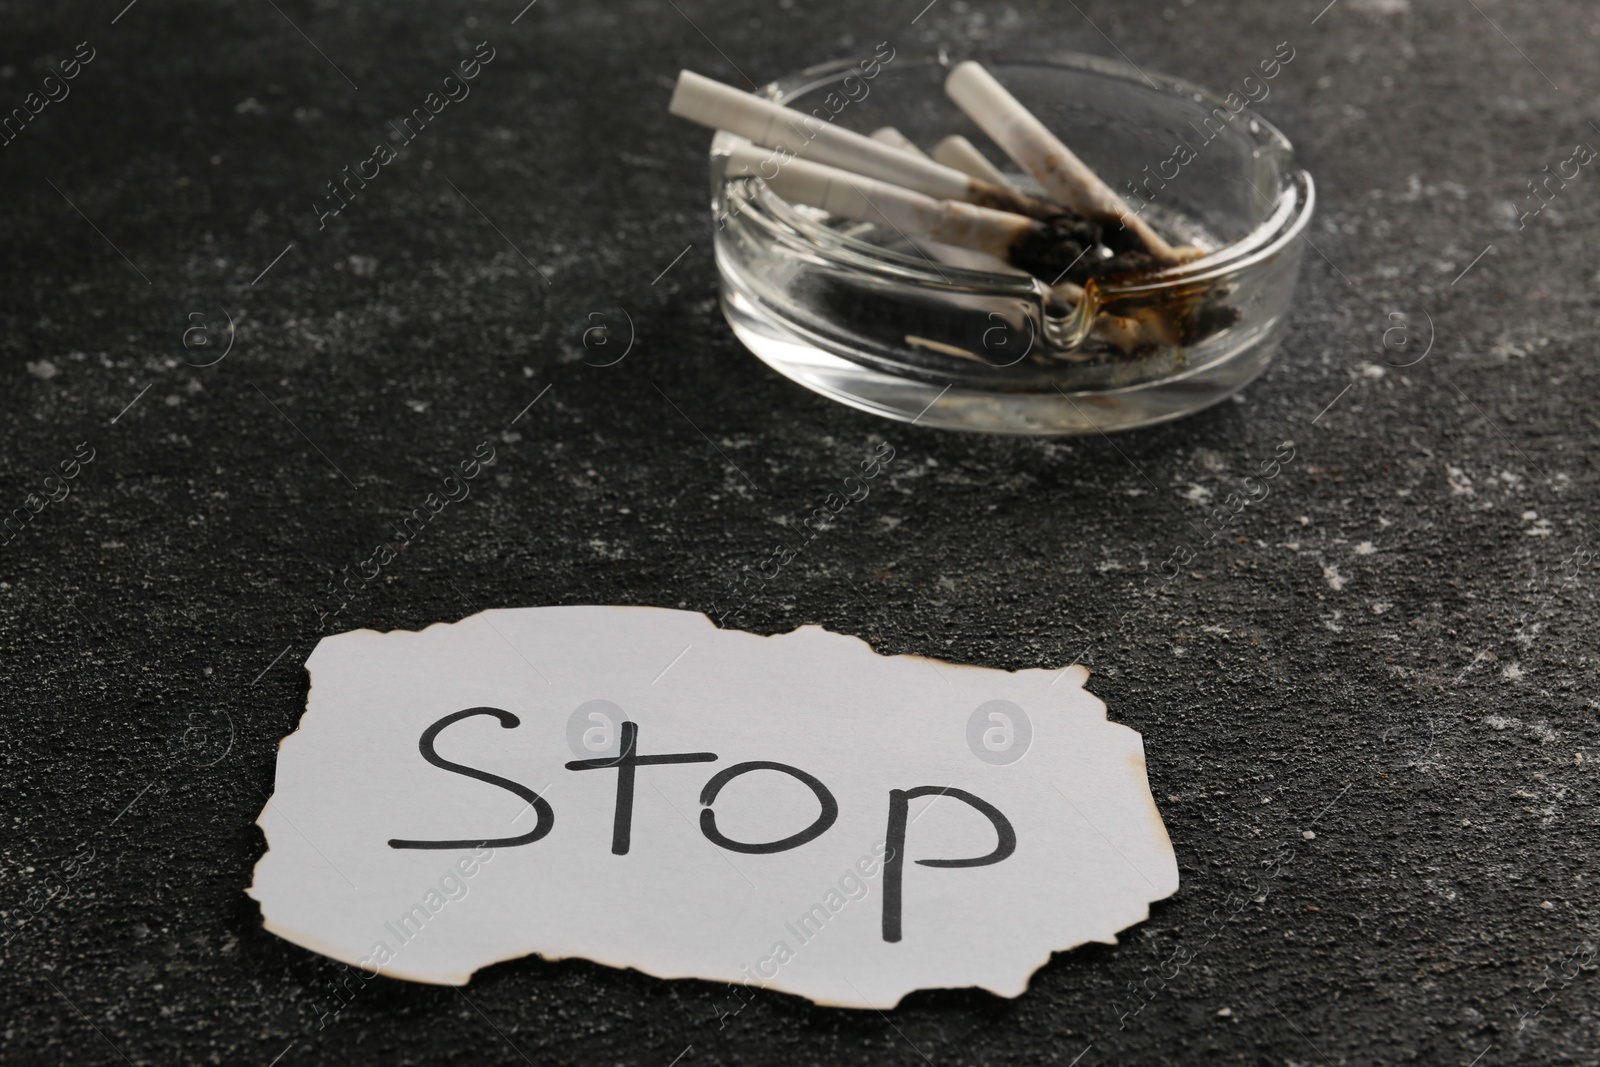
(794, 811)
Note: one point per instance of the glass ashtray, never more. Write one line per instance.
(859, 313)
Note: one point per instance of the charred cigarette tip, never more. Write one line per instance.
(1029, 143)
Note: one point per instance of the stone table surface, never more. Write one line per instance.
(1368, 711)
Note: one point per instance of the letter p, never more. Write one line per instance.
(895, 838)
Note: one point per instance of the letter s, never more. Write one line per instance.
(545, 817)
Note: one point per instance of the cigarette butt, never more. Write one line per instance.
(722, 107)
(895, 139)
(1036, 150)
(958, 152)
(1129, 334)
(1155, 325)
(866, 199)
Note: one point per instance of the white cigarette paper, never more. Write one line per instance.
(855, 196)
(949, 255)
(1039, 152)
(895, 139)
(722, 107)
(958, 152)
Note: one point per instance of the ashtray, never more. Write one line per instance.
(858, 312)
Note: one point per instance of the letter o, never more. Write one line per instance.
(708, 819)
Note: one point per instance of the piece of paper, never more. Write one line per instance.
(798, 812)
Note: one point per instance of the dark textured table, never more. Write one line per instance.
(1368, 711)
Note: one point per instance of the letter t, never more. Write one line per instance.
(622, 825)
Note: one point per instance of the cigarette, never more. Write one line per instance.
(998, 236)
(1044, 249)
(722, 107)
(895, 139)
(949, 255)
(866, 199)
(958, 152)
(956, 233)
(1036, 150)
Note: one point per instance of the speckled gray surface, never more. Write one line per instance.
(1369, 715)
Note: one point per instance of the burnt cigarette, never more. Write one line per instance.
(949, 255)
(866, 199)
(787, 131)
(958, 152)
(1017, 240)
(1039, 152)
(1047, 249)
